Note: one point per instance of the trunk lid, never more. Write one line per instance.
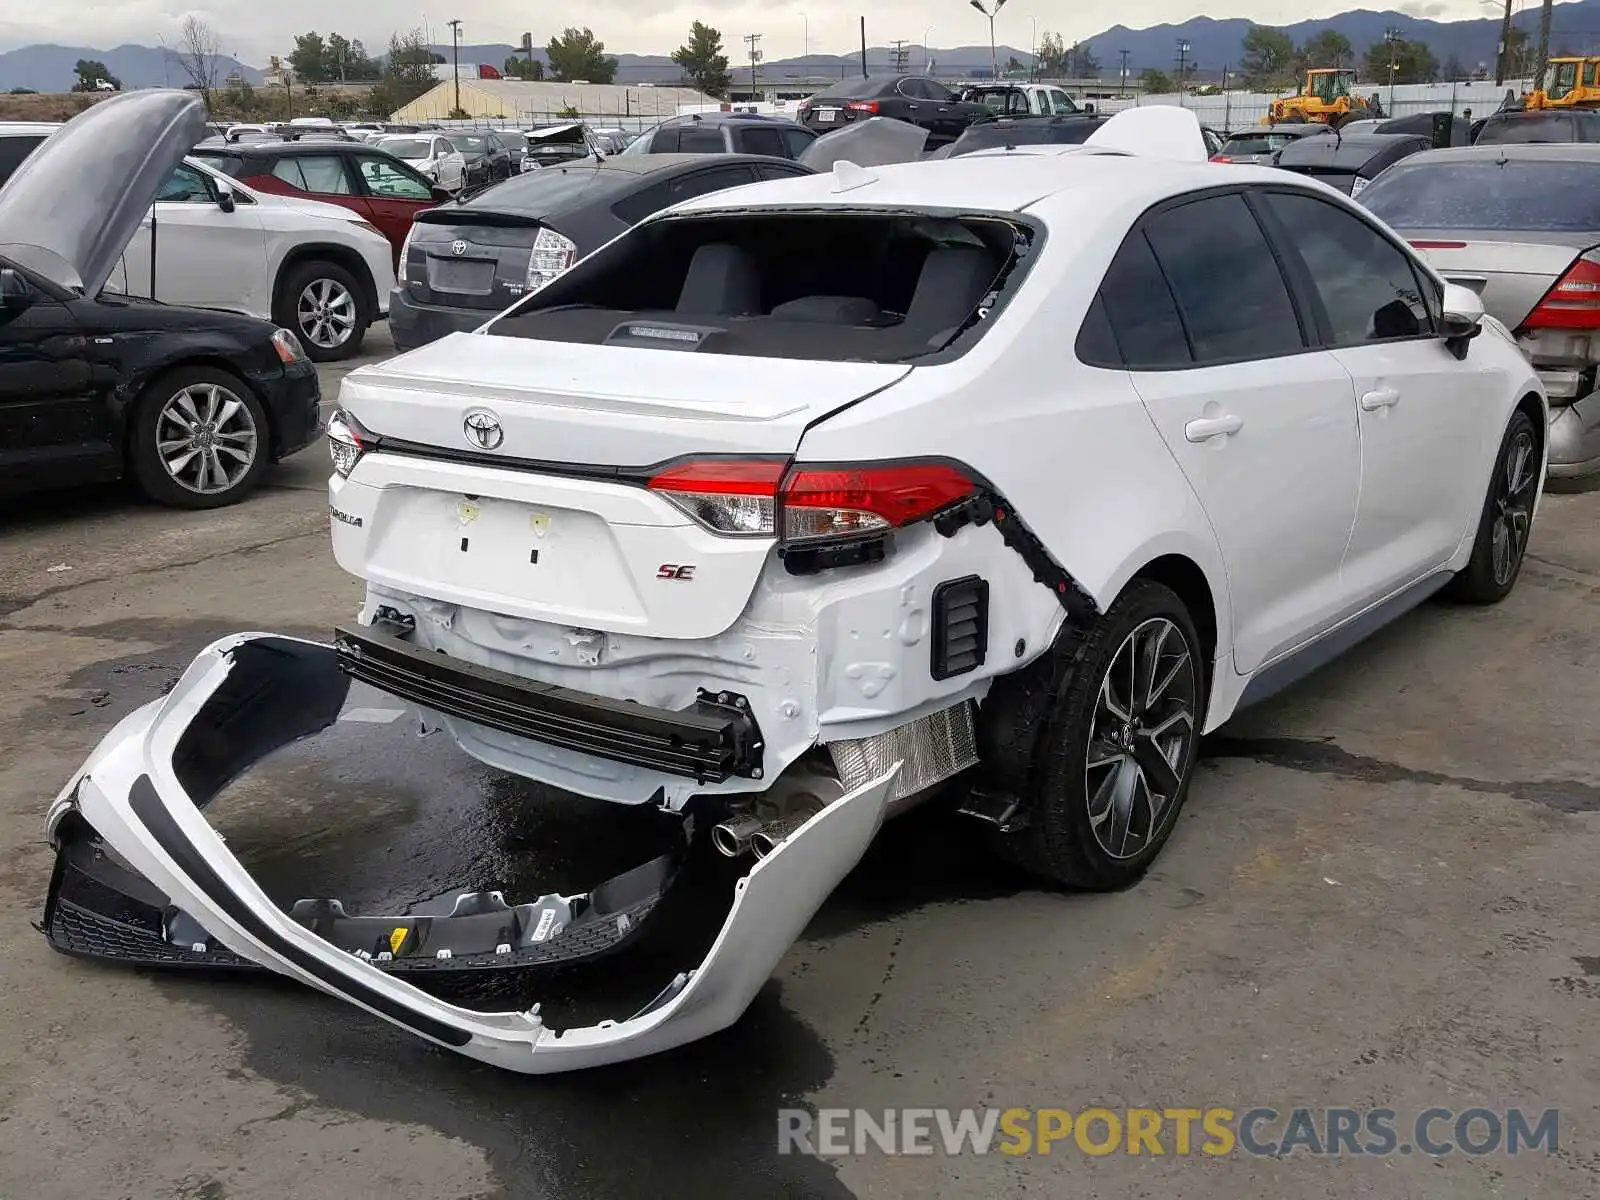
(74, 204)
(1511, 271)
(603, 406)
(581, 544)
(470, 259)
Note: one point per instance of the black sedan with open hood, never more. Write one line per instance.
(190, 403)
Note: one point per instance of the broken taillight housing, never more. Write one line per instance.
(806, 502)
(1573, 302)
(344, 443)
(551, 254)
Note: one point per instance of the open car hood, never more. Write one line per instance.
(73, 205)
(142, 878)
(875, 142)
(571, 134)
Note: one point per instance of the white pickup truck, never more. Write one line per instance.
(1024, 99)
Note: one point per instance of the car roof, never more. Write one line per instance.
(1288, 130)
(272, 149)
(646, 164)
(726, 118)
(1349, 150)
(1501, 151)
(997, 181)
(1528, 114)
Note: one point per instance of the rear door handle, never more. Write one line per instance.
(1382, 398)
(1203, 429)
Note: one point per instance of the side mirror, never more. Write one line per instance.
(14, 289)
(442, 195)
(1088, 106)
(1462, 320)
(225, 200)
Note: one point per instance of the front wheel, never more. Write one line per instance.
(1119, 746)
(326, 307)
(1506, 519)
(199, 439)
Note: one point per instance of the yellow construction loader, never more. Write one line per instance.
(1325, 99)
(1567, 83)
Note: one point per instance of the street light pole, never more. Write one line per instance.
(1033, 48)
(805, 24)
(1183, 59)
(1392, 36)
(991, 14)
(455, 57)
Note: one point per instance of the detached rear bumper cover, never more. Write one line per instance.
(143, 787)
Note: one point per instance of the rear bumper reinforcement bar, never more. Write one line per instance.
(712, 740)
(141, 876)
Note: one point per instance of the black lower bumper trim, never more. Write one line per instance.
(99, 908)
(714, 739)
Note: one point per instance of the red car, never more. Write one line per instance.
(353, 175)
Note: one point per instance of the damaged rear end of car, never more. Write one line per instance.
(597, 554)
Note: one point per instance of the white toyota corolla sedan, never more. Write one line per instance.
(801, 499)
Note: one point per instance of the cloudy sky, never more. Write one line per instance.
(253, 30)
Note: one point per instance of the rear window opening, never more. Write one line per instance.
(838, 286)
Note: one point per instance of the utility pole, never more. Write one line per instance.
(900, 55)
(753, 40)
(864, 47)
(990, 14)
(1183, 63)
(1392, 36)
(1124, 54)
(1502, 56)
(1544, 45)
(455, 55)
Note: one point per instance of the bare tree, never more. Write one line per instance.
(198, 52)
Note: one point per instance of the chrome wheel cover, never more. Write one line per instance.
(1513, 508)
(1140, 737)
(206, 438)
(326, 313)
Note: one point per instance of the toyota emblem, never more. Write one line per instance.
(458, 247)
(483, 430)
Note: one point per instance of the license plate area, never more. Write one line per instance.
(461, 275)
(827, 116)
(506, 554)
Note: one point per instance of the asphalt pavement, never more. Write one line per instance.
(1382, 894)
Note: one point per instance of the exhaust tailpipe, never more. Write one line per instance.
(733, 838)
(768, 837)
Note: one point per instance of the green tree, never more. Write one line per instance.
(1400, 61)
(1330, 48)
(702, 61)
(1269, 58)
(348, 61)
(1156, 82)
(1080, 62)
(517, 67)
(578, 54)
(1051, 57)
(91, 71)
(309, 58)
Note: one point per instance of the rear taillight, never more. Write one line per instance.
(1574, 301)
(866, 106)
(807, 503)
(344, 443)
(405, 254)
(552, 254)
(1222, 158)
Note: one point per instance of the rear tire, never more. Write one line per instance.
(1117, 747)
(326, 307)
(199, 439)
(1506, 519)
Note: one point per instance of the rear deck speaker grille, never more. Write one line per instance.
(960, 626)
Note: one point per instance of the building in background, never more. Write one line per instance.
(521, 100)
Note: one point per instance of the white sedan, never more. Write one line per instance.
(1018, 471)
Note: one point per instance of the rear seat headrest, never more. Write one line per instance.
(723, 281)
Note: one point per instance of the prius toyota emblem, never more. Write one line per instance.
(458, 247)
(483, 430)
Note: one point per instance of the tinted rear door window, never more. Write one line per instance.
(797, 140)
(1230, 291)
(1367, 286)
(699, 139)
(753, 139)
(13, 150)
(1140, 308)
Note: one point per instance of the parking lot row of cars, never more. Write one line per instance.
(323, 230)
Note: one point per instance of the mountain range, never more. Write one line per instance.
(1214, 44)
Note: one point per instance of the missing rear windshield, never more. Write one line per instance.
(836, 286)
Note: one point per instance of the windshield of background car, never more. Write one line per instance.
(1256, 143)
(1557, 197)
(850, 89)
(1539, 127)
(407, 147)
(233, 165)
(469, 143)
(838, 286)
(538, 193)
(512, 140)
